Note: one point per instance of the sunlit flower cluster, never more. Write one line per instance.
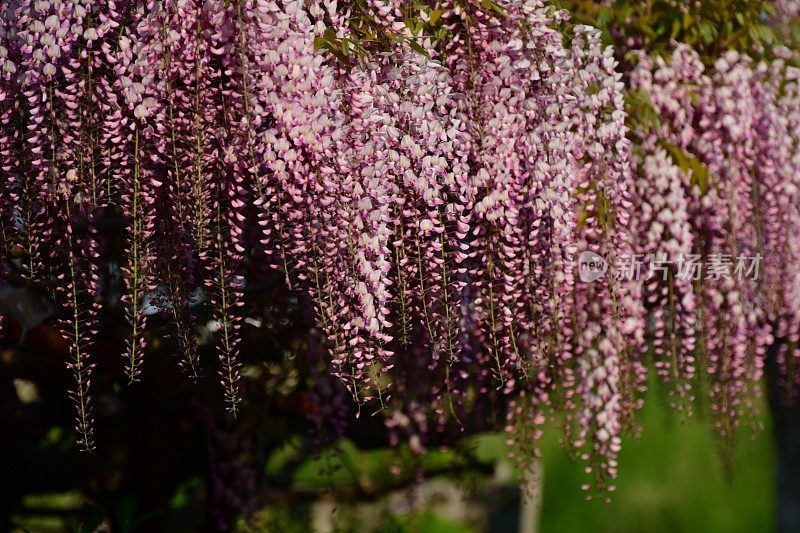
(429, 201)
(719, 176)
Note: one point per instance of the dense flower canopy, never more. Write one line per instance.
(428, 177)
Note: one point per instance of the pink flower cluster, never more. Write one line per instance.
(431, 206)
(719, 176)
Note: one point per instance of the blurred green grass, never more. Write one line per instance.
(671, 479)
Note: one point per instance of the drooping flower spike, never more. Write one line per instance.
(429, 195)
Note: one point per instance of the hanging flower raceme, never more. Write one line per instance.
(13, 193)
(523, 227)
(725, 130)
(430, 199)
(606, 319)
(54, 173)
(666, 232)
(180, 59)
(425, 207)
(778, 196)
(141, 112)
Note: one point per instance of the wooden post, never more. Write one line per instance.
(531, 498)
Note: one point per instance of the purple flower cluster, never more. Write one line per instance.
(431, 205)
(719, 175)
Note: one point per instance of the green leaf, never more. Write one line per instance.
(583, 216)
(319, 43)
(647, 30)
(604, 16)
(417, 47)
(330, 35)
(762, 33)
(707, 31)
(414, 26)
(641, 109)
(690, 165)
(676, 29)
(490, 5)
